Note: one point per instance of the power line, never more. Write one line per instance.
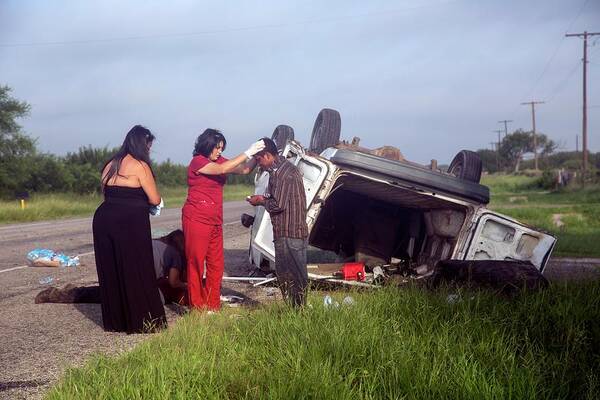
(225, 30)
(539, 78)
(556, 50)
(561, 85)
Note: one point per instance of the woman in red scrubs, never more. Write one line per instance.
(202, 215)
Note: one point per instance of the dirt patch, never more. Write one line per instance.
(557, 219)
(517, 199)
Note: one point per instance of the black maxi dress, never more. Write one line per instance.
(125, 264)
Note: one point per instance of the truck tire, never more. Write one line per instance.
(281, 135)
(466, 165)
(326, 131)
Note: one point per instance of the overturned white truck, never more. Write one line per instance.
(375, 207)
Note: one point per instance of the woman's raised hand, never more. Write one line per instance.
(254, 148)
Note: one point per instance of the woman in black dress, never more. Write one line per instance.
(122, 239)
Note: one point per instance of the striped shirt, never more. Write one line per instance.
(285, 200)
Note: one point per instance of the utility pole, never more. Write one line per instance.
(505, 121)
(585, 36)
(576, 144)
(533, 103)
(498, 131)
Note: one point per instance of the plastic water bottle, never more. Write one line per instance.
(348, 301)
(329, 302)
(453, 299)
(46, 280)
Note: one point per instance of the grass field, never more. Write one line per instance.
(55, 206)
(578, 231)
(391, 344)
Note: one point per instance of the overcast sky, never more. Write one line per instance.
(430, 77)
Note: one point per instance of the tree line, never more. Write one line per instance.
(24, 168)
(508, 156)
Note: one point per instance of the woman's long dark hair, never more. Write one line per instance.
(135, 144)
(177, 240)
(207, 141)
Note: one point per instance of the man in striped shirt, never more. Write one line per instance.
(285, 201)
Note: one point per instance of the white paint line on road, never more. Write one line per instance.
(27, 266)
(13, 268)
(43, 223)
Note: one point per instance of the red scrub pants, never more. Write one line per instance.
(204, 243)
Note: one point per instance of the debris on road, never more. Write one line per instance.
(46, 280)
(49, 258)
(231, 299)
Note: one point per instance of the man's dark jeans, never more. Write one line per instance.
(290, 265)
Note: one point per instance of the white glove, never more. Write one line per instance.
(254, 148)
(155, 210)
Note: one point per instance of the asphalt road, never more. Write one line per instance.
(74, 236)
(39, 341)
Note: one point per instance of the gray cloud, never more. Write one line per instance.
(429, 77)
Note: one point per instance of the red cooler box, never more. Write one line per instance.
(353, 271)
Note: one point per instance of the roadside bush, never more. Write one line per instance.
(88, 155)
(169, 174)
(574, 165)
(547, 180)
(85, 178)
(529, 173)
(47, 173)
(13, 173)
(23, 169)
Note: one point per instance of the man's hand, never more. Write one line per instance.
(256, 200)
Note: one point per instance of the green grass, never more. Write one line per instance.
(507, 183)
(64, 205)
(393, 344)
(520, 190)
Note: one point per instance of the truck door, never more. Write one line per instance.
(497, 237)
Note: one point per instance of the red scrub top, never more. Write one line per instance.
(204, 202)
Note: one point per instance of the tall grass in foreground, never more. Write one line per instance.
(63, 205)
(393, 343)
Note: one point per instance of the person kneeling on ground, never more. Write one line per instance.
(285, 201)
(169, 265)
